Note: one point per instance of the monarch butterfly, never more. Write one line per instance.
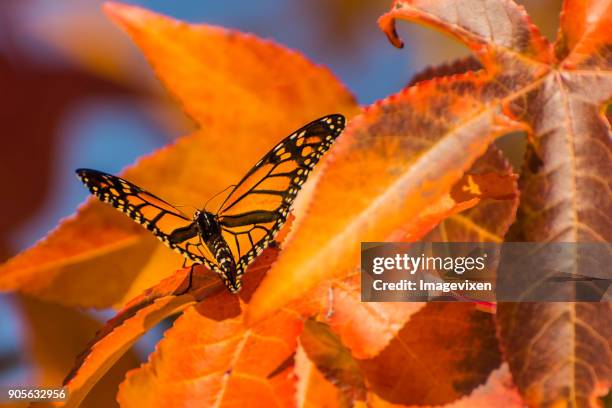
(248, 219)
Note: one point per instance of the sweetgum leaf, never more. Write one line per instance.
(243, 82)
(459, 66)
(313, 390)
(170, 296)
(99, 257)
(366, 328)
(444, 352)
(387, 178)
(210, 358)
(490, 219)
(498, 28)
(333, 359)
(559, 93)
(498, 391)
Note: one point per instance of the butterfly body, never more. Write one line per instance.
(209, 229)
(226, 242)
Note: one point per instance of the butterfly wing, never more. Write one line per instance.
(257, 207)
(166, 222)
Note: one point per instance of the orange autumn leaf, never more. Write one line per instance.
(559, 92)
(313, 390)
(366, 328)
(424, 361)
(170, 296)
(220, 76)
(389, 175)
(436, 345)
(490, 219)
(466, 194)
(210, 358)
(497, 391)
(429, 362)
(492, 43)
(109, 347)
(333, 360)
(206, 71)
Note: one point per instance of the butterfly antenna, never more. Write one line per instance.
(183, 206)
(220, 192)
